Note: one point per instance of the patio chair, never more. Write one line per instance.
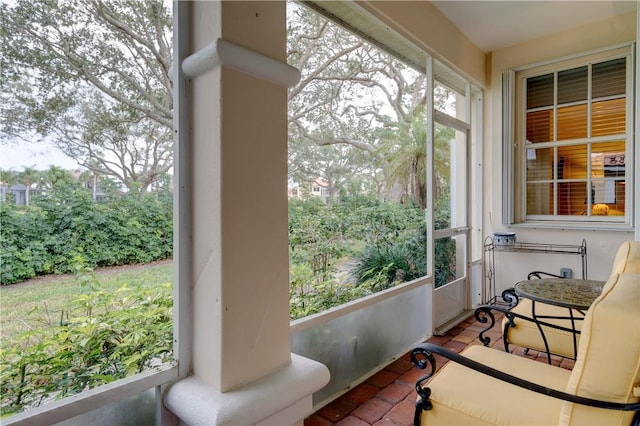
(484, 385)
(519, 329)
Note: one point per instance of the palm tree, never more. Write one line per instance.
(406, 157)
(55, 176)
(8, 178)
(28, 176)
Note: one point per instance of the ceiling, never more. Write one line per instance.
(492, 25)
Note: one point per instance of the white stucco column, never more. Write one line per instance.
(243, 369)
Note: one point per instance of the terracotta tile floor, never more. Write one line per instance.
(388, 397)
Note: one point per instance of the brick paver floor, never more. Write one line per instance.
(388, 397)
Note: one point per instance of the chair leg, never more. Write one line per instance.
(505, 332)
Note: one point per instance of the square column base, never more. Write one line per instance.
(281, 398)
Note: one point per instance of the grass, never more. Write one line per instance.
(40, 302)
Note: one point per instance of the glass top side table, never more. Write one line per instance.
(563, 292)
(572, 294)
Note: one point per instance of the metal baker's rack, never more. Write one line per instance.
(490, 248)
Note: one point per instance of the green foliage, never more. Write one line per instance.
(44, 237)
(397, 261)
(444, 248)
(23, 254)
(104, 336)
(380, 221)
(368, 245)
(305, 299)
(390, 236)
(444, 259)
(406, 153)
(316, 235)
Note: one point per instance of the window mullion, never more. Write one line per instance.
(589, 135)
(555, 181)
(589, 183)
(555, 141)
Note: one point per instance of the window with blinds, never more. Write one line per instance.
(575, 129)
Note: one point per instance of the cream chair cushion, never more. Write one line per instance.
(527, 335)
(461, 396)
(627, 258)
(608, 363)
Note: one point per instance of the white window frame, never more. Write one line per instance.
(514, 164)
(92, 399)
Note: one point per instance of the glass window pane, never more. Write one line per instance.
(573, 85)
(540, 126)
(604, 192)
(608, 198)
(572, 198)
(86, 244)
(539, 163)
(572, 122)
(450, 177)
(609, 78)
(608, 117)
(540, 198)
(356, 224)
(563, 109)
(540, 91)
(608, 160)
(449, 101)
(573, 161)
(449, 259)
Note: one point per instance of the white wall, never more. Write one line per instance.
(601, 245)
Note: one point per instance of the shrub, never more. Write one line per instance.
(104, 336)
(305, 299)
(44, 237)
(398, 261)
(323, 236)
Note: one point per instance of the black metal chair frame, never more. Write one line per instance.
(422, 356)
(538, 274)
(483, 315)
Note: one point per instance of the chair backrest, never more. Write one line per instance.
(608, 363)
(627, 258)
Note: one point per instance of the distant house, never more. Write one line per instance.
(16, 192)
(318, 188)
(92, 184)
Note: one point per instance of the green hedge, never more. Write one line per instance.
(44, 237)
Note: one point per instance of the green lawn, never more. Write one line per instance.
(39, 302)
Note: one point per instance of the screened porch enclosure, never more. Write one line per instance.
(238, 349)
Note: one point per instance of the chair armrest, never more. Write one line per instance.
(484, 314)
(422, 356)
(510, 297)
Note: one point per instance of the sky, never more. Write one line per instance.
(41, 155)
